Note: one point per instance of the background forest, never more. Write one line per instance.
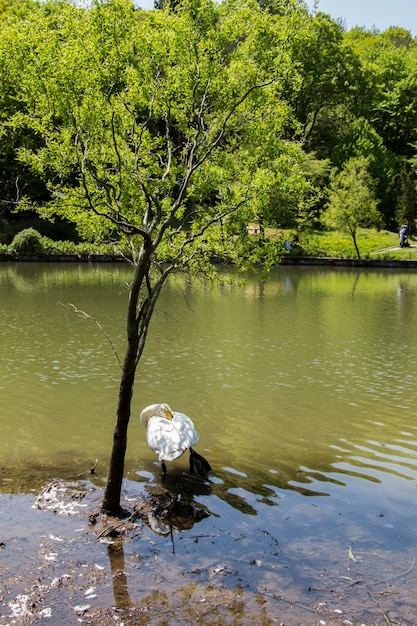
(330, 139)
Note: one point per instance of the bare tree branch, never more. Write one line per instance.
(115, 216)
(193, 162)
(93, 319)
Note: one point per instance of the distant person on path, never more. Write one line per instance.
(403, 236)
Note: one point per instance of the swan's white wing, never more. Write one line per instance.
(170, 438)
(186, 430)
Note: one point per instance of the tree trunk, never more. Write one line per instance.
(111, 499)
(355, 243)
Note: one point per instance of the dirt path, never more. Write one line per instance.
(392, 249)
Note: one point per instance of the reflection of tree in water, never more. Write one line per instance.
(165, 512)
(117, 568)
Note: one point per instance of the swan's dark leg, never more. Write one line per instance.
(198, 464)
(164, 468)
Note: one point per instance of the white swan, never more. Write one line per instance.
(169, 434)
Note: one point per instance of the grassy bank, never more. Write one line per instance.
(381, 244)
(372, 244)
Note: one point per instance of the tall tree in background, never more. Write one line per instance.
(328, 74)
(387, 99)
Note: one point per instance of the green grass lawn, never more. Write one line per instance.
(372, 243)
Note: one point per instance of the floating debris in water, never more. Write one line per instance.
(82, 608)
(61, 499)
(351, 555)
(90, 593)
(58, 581)
(20, 606)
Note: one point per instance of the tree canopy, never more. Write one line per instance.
(122, 81)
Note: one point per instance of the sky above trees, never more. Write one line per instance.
(369, 13)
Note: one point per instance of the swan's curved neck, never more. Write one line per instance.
(146, 415)
(154, 410)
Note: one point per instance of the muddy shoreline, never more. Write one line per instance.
(58, 566)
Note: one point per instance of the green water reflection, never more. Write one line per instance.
(305, 383)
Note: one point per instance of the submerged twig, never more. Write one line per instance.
(292, 603)
(410, 569)
(90, 317)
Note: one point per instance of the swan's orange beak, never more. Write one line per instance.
(169, 415)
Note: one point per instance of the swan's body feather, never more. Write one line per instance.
(170, 438)
(169, 434)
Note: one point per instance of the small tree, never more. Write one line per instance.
(146, 124)
(352, 202)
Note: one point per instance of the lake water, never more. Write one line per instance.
(303, 389)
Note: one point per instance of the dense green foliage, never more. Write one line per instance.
(88, 93)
